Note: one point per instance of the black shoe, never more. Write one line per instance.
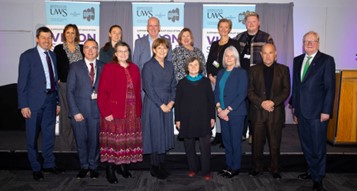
(217, 140)
(304, 176)
(82, 173)
(231, 174)
(37, 175)
(276, 176)
(255, 173)
(123, 170)
(317, 186)
(163, 170)
(155, 172)
(93, 174)
(53, 170)
(223, 171)
(110, 174)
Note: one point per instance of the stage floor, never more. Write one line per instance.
(15, 141)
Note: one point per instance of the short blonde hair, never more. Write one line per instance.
(250, 14)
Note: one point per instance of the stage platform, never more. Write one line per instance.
(341, 158)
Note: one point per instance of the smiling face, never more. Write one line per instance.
(252, 24)
(70, 35)
(229, 59)
(160, 52)
(311, 43)
(153, 27)
(122, 54)
(224, 29)
(193, 68)
(186, 39)
(44, 40)
(115, 35)
(90, 50)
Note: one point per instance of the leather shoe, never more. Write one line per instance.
(82, 173)
(255, 173)
(93, 174)
(304, 176)
(155, 172)
(37, 175)
(123, 170)
(110, 174)
(276, 176)
(231, 174)
(221, 172)
(53, 170)
(317, 186)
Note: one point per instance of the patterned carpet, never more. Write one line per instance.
(22, 180)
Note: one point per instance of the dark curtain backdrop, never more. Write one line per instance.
(276, 19)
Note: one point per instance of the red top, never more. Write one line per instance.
(112, 89)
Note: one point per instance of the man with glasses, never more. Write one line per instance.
(312, 99)
(82, 88)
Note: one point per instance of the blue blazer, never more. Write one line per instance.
(142, 52)
(79, 90)
(315, 94)
(31, 83)
(235, 90)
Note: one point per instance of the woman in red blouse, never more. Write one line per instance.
(119, 101)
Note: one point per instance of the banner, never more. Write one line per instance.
(83, 14)
(212, 13)
(171, 16)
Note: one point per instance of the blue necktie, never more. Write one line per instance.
(50, 70)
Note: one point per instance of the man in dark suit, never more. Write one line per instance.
(269, 87)
(82, 88)
(312, 100)
(143, 45)
(37, 98)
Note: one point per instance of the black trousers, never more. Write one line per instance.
(205, 148)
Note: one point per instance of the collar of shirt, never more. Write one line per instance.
(88, 63)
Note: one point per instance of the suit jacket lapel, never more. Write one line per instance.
(312, 66)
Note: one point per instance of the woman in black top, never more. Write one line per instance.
(195, 116)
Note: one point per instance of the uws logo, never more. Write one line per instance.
(144, 12)
(174, 15)
(241, 17)
(58, 10)
(89, 14)
(215, 13)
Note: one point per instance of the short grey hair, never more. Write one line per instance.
(235, 54)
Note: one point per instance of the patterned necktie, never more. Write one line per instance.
(91, 73)
(306, 67)
(50, 71)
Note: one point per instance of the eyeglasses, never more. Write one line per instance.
(310, 41)
(90, 47)
(125, 51)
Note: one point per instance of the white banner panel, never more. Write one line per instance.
(171, 16)
(212, 13)
(83, 14)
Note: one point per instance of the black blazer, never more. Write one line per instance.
(63, 62)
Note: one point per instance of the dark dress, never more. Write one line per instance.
(194, 107)
(159, 84)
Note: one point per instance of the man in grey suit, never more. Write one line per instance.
(37, 99)
(312, 99)
(269, 87)
(82, 88)
(143, 45)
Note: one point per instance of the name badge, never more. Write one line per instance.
(94, 95)
(247, 56)
(215, 64)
